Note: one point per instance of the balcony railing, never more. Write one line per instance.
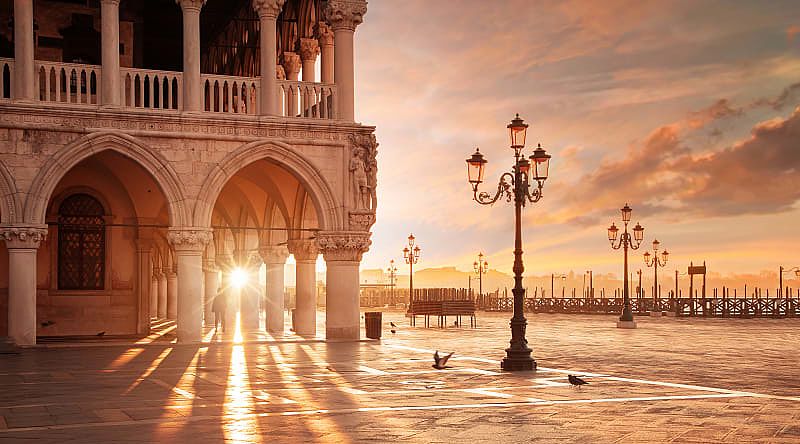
(80, 85)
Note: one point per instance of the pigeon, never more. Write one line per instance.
(576, 381)
(392, 324)
(439, 362)
(101, 333)
(47, 323)
(393, 331)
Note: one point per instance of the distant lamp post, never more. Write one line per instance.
(553, 277)
(481, 267)
(782, 270)
(590, 293)
(411, 256)
(392, 270)
(655, 262)
(626, 242)
(523, 184)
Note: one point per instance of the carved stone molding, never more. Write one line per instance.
(189, 239)
(224, 261)
(26, 237)
(210, 266)
(343, 245)
(344, 14)
(110, 2)
(190, 5)
(309, 49)
(268, 8)
(292, 65)
(361, 220)
(274, 254)
(280, 73)
(303, 249)
(325, 34)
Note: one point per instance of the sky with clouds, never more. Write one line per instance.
(687, 110)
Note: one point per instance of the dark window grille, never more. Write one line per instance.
(81, 244)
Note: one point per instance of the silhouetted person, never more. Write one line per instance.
(219, 307)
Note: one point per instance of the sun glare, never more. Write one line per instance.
(239, 278)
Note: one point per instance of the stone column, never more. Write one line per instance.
(275, 258)
(172, 292)
(24, 68)
(250, 294)
(210, 289)
(291, 65)
(154, 296)
(309, 50)
(162, 293)
(268, 11)
(189, 244)
(305, 255)
(226, 264)
(109, 12)
(327, 49)
(192, 86)
(22, 244)
(342, 251)
(143, 247)
(343, 17)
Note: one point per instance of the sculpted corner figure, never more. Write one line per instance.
(364, 169)
(360, 184)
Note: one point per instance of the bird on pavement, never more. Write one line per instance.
(392, 324)
(439, 363)
(102, 333)
(576, 381)
(393, 331)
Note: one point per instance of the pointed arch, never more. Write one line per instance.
(10, 206)
(51, 173)
(283, 155)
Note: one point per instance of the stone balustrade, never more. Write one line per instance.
(151, 89)
(230, 95)
(307, 99)
(67, 83)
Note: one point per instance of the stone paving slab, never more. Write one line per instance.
(667, 381)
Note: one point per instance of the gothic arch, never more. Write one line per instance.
(51, 173)
(327, 206)
(10, 208)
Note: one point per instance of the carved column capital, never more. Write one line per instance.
(190, 5)
(268, 8)
(292, 64)
(309, 49)
(344, 14)
(280, 73)
(325, 34)
(210, 266)
(274, 254)
(303, 249)
(343, 245)
(110, 2)
(23, 237)
(192, 239)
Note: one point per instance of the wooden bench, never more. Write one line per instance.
(459, 308)
(442, 309)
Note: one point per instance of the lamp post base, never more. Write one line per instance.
(626, 324)
(517, 361)
(655, 314)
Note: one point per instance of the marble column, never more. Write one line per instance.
(309, 50)
(342, 251)
(250, 294)
(344, 16)
(172, 292)
(24, 67)
(22, 244)
(226, 263)
(162, 293)
(154, 296)
(275, 259)
(110, 91)
(143, 247)
(192, 85)
(210, 289)
(292, 65)
(189, 244)
(327, 51)
(268, 11)
(305, 254)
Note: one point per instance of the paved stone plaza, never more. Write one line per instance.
(679, 380)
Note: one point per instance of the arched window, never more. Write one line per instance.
(81, 244)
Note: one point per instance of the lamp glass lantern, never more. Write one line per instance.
(541, 163)
(638, 233)
(626, 213)
(411, 239)
(664, 256)
(612, 232)
(517, 130)
(405, 253)
(656, 244)
(475, 168)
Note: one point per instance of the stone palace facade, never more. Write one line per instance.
(148, 148)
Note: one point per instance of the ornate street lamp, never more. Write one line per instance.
(782, 270)
(523, 184)
(411, 256)
(625, 242)
(392, 270)
(481, 267)
(553, 277)
(655, 262)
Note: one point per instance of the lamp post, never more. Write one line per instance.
(655, 262)
(553, 277)
(591, 283)
(626, 242)
(523, 184)
(782, 270)
(411, 256)
(392, 270)
(480, 266)
(639, 287)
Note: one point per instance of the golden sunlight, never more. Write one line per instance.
(239, 277)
